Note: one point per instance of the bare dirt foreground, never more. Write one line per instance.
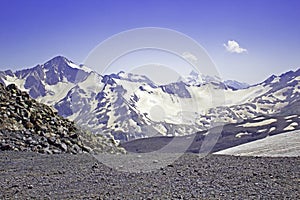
(25, 175)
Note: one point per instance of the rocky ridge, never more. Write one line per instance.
(27, 125)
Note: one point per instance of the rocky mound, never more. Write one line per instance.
(27, 125)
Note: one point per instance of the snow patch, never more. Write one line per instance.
(238, 97)
(261, 123)
(281, 145)
(258, 118)
(18, 82)
(55, 92)
(275, 80)
(291, 127)
(239, 135)
(272, 129)
(82, 67)
(262, 130)
(291, 116)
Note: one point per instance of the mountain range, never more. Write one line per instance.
(128, 106)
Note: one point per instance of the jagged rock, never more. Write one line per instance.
(5, 146)
(75, 148)
(56, 151)
(64, 147)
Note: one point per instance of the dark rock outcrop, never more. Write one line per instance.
(27, 125)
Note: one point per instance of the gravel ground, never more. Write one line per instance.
(25, 175)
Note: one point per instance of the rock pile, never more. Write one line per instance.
(27, 125)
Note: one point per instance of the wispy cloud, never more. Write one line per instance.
(190, 57)
(234, 47)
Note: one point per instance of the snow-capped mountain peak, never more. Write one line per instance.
(48, 82)
(236, 85)
(130, 106)
(194, 78)
(197, 79)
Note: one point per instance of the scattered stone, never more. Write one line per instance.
(30, 186)
(64, 147)
(26, 125)
(212, 177)
(29, 125)
(56, 151)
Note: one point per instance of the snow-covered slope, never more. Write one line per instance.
(129, 106)
(236, 85)
(49, 82)
(219, 138)
(281, 145)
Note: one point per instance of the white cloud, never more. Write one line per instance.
(234, 47)
(190, 57)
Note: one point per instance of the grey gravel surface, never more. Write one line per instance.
(29, 175)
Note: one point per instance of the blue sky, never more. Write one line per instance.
(34, 31)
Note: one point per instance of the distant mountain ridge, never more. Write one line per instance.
(236, 85)
(129, 106)
(36, 79)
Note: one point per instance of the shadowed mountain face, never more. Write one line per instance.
(129, 106)
(218, 138)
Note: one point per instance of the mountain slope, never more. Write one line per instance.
(128, 106)
(48, 82)
(236, 85)
(281, 145)
(218, 138)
